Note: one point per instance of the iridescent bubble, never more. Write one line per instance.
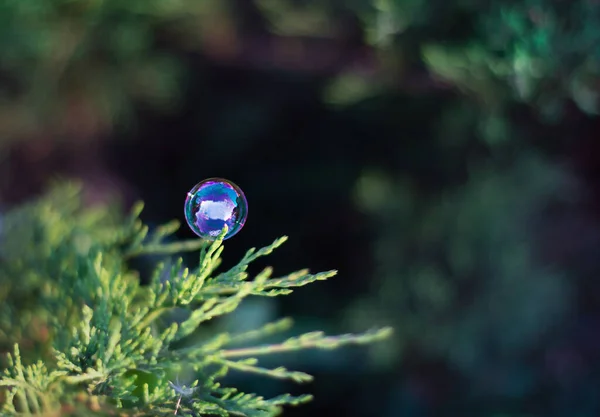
(213, 204)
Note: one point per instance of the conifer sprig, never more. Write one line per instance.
(107, 341)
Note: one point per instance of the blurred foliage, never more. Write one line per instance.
(459, 272)
(536, 51)
(74, 68)
(292, 18)
(347, 89)
(540, 52)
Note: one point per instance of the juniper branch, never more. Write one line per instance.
(249, 365)
(311, 340)
(106, 340)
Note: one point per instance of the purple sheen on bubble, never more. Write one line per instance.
(213, 204)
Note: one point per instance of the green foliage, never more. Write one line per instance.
(297, 19)
(540, 52)
(464, 265)
(76, 67)
(110, 344)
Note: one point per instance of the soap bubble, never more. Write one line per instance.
(213, 204)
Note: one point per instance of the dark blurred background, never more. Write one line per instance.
(442, 154)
